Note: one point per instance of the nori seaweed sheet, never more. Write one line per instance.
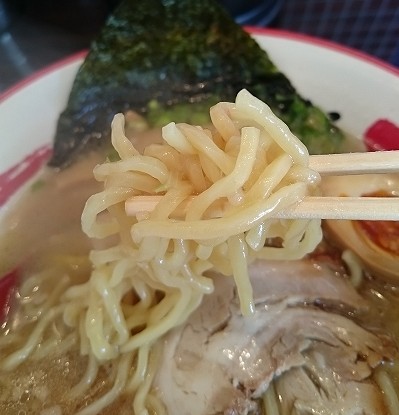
(176, 52)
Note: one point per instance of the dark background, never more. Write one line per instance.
(35, 33)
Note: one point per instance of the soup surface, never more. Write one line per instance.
(43, 243)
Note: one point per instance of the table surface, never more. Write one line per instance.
(36, 34)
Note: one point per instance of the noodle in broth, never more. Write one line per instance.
(148, 272)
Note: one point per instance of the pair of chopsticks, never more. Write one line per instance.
(325, 207)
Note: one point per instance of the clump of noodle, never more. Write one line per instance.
(270, 401)
(354, 265)
(386, 384)
(152, 275)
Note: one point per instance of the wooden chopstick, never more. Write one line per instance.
(348, 208)
(355, 163)
(311, 207)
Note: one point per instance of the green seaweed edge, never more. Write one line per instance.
(174, 53)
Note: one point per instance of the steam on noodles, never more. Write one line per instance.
(149, 272)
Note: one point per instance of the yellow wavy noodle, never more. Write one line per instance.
(150, 272)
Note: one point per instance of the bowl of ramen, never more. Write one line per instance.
(217, 307)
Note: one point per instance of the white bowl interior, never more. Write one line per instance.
(335, 79)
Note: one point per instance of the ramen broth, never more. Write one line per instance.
(42, 230)
(42, 233)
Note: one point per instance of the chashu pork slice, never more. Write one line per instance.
(220, 362)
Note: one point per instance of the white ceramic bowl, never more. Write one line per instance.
(361, 89)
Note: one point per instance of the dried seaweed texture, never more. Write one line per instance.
(159, 56)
